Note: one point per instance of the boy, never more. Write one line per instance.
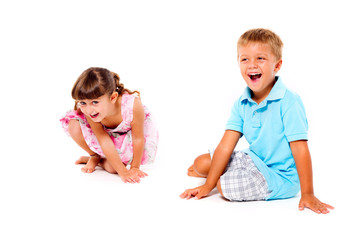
(273, 121)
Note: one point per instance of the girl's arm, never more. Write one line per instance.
(220, 159)
(302, 158)
(137, 133)
(110, 152)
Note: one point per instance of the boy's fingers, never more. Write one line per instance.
(317, 208)
(192, 193)
(325, 208)
(328, 206)
(185, 194)
(312, 207)
(199, 195)
(301, 206)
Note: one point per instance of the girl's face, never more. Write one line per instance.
(99, 108)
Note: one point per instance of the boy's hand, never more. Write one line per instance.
(197, 193)
(311, 202)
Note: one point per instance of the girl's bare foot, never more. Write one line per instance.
(91, 162)
(192, 172)
(82, 160)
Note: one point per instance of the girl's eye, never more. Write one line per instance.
(82, 103)
(95, 102)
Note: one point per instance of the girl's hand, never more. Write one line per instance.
(136, 171)
(311, 202)
(133, 175)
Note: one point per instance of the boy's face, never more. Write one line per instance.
(258, 66)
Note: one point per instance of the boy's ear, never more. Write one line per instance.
(238, 58)
(278, 65)
(114, 97)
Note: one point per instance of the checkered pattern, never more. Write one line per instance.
(242, 181)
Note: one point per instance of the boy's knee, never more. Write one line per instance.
(202, 164)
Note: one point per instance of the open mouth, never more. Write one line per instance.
(94, 115)
(254, 76)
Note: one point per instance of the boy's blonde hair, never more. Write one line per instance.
(261, 35)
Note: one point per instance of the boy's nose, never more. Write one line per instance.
(252, 64)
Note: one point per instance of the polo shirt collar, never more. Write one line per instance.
(277, 92)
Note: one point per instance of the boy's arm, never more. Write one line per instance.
(302, 158)
(220, 159)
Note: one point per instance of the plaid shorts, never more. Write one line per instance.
(242, 181)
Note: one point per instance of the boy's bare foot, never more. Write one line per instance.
(192, 172)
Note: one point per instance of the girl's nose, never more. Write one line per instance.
(86, 109)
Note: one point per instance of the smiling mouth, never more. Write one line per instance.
(254, 76)
(94, 115)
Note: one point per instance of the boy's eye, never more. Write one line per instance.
(243, 59)
(261, 58)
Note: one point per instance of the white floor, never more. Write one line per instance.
(48, 197)
(182, 58)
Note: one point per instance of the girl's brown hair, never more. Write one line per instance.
(94, 82)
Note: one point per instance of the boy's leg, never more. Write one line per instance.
(76, 134)
(201, 166)
(242, 181)
(218, 186)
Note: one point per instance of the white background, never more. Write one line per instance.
(181, 56)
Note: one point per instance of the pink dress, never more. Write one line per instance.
(121, 135)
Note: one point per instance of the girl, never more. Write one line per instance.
(110, 123)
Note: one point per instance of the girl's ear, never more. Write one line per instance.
(114, 96)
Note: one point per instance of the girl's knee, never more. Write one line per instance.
(104, 163)
(74, 128)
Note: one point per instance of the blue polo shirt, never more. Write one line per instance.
(269, 127)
